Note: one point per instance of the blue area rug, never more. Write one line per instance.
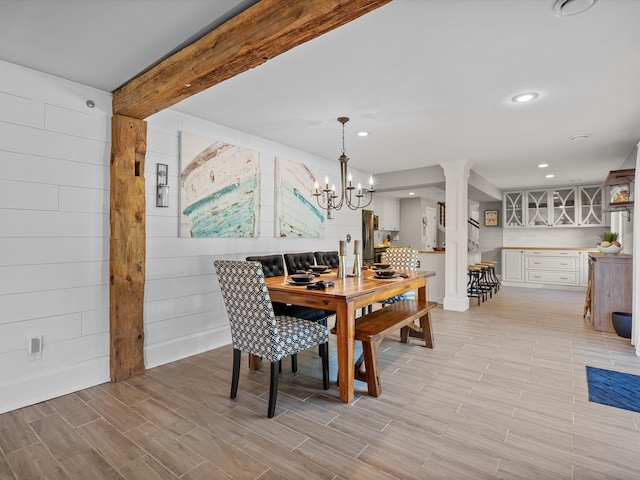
(616, 389)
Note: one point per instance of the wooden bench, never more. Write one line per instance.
(373, 327)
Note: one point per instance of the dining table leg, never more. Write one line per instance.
(345, 325)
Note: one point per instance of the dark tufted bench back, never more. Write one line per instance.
(272, 265)
(330, 259)
(298, 261)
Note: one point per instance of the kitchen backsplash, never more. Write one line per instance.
(551, 237)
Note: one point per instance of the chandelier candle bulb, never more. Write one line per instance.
(317, 188)
(359, 189)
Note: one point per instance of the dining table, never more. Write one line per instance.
(345, 297)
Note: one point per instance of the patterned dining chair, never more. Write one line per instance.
(257, 330)
(400, 258)
(330, 259)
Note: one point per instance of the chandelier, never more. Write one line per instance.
(352, 197)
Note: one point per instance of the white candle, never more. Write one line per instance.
(349, 178)
(370, 182)
(317, 187)
(359, 189)
(326, 183)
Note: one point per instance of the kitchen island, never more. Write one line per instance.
(610, 277)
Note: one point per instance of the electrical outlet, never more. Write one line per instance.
(35, 347)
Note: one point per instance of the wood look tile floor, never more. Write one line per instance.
(502, 395)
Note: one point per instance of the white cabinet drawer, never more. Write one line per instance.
(552, 253)
(553, 263)
(557, 278)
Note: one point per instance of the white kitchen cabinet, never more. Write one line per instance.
(553, 267)
(388, 211)
(565, 207)
(590, 211)
(554, 207)
(513, 209)
(537, 212)
(584, 267)
(535, 267)
(513, 266)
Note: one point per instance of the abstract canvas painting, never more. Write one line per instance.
(297, 213)
(219, 189)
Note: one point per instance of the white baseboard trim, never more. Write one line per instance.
(183, 347)
(52, 384)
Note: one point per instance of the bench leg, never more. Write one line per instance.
(371, 361)
(425, 323)
(404, 334)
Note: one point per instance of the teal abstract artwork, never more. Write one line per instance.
(219, 189)
(297, 213)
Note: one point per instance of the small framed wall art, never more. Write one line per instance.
(491, 218)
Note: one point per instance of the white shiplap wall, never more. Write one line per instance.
(54, 239)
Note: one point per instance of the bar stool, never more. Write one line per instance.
(473, 284)
(492, 269)
(484, 281)
(491, 277)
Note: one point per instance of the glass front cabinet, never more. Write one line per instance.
(538, 213)
(591, 206)
(513, 212)
(554, 207)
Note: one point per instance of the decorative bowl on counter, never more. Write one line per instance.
(612, 250)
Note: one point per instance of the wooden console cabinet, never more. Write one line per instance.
(610, 277)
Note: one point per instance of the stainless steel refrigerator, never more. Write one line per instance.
(368, 253)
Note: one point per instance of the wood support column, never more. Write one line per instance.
(127, 247)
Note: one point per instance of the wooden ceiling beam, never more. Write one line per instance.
(254, 36)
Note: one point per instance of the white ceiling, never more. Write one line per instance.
(430, 79)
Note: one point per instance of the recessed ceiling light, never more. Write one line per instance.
(524, 97)
(565, 8)
(411, 194)
(582, 136)
(363, 134)
(543, 165)
(551, 175)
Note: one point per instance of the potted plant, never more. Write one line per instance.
(609, 243)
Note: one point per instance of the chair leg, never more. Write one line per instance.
(237, 356)
(325, 365)
(273, 389)
(294, 362)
